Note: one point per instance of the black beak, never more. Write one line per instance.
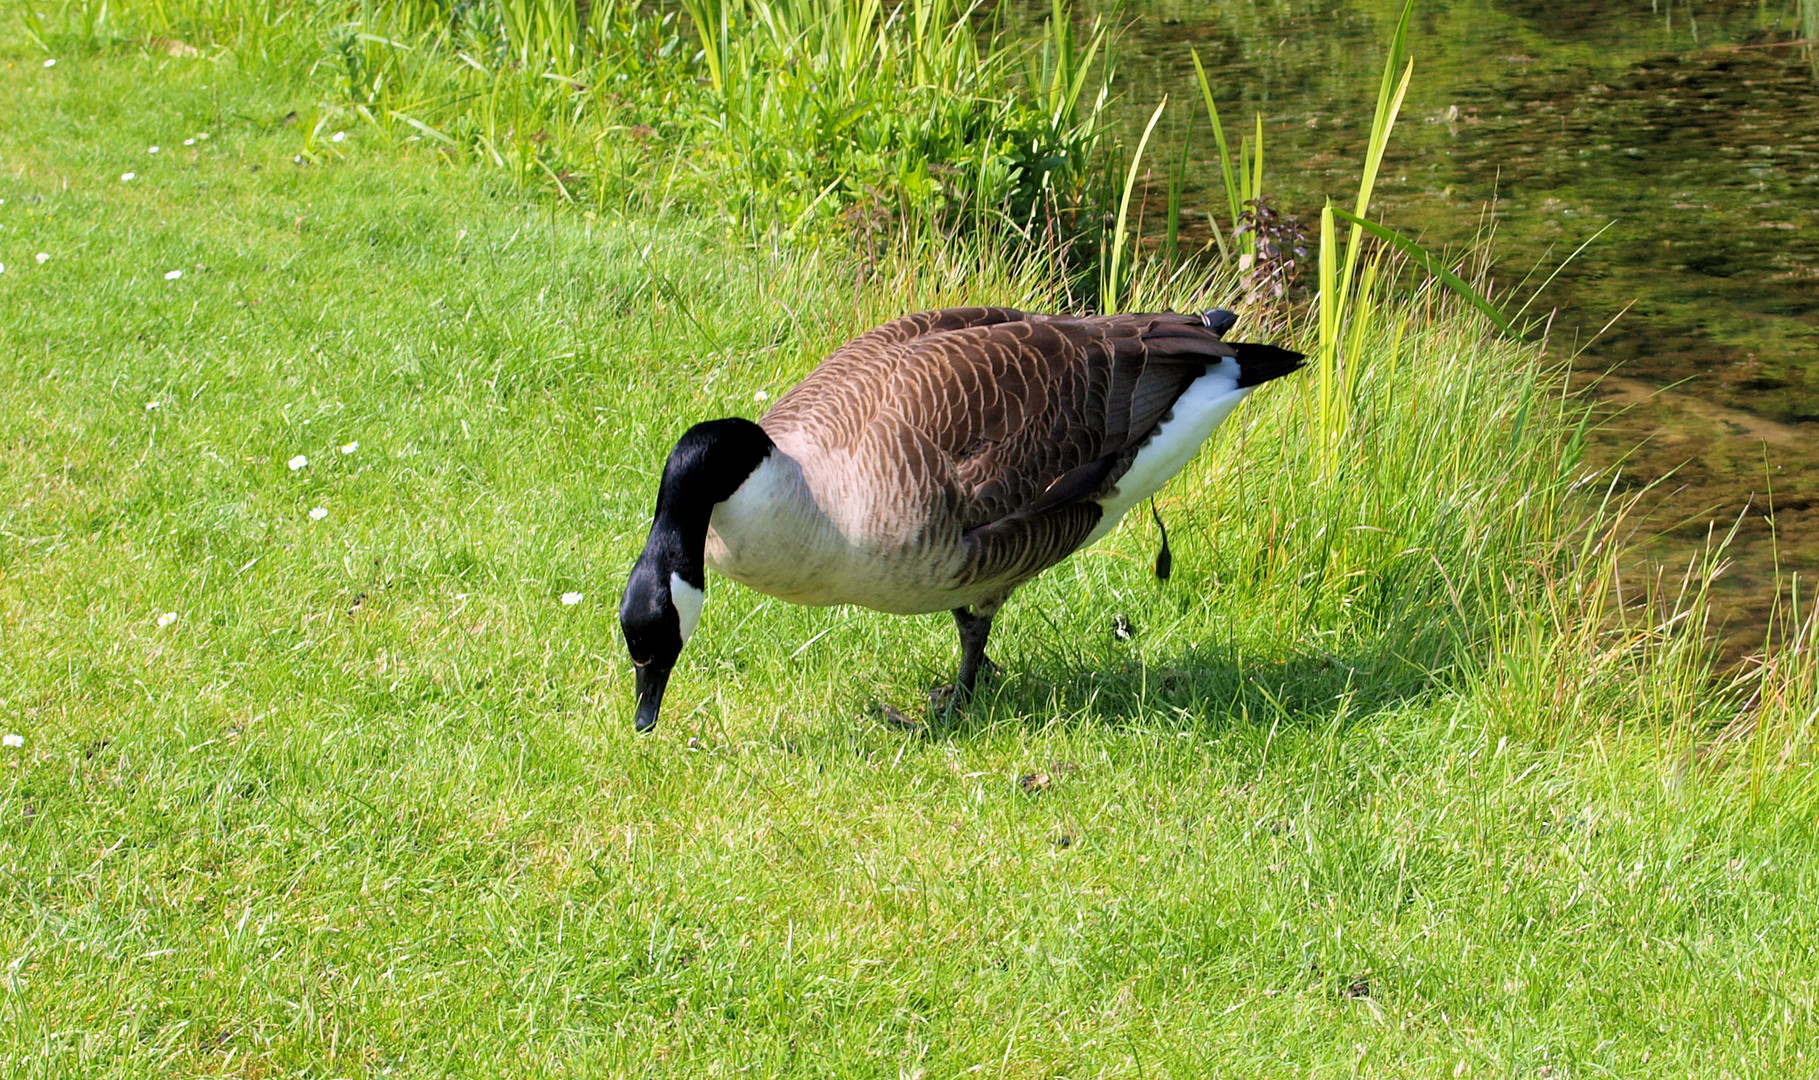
(651, 681)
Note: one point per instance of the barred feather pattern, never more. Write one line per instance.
(963, 449)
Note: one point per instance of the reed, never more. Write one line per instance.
(799, 114)
(1338, 304)
(1241, 174)
(1384, 308)
(919, 109)
(1344, 304)
(1808, 15)
(1116, 289)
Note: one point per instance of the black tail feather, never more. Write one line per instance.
(1259, 363)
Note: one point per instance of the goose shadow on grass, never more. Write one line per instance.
(1203, 686)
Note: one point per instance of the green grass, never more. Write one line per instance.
(760, 113)
(1386, 782)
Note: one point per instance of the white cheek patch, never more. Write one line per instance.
(689, 601)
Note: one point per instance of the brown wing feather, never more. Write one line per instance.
(1018, 421)
(1063, 395)
(840, 398)
(1105, 385)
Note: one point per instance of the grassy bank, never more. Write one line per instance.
(800, 114)
(1386, 780)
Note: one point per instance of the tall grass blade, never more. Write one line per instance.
(1111, 286)
(1422, 258)
(709, 17)
(1255, 191)
(1177, 181)
(1363, 311)
(1564, 263)
(1390, 93)
(1068, 68)
(1232, 200)
(1335, 301)
(1809, 33)
(1328, 356)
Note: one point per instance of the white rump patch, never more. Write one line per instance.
(1200, 410)
(688, 601)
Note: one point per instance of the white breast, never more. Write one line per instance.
(772, 536)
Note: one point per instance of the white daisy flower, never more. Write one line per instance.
(125, 176)
(165, 618)
(297, 462)
(570, 599)
(152, 149)
(761, 396)
(318, 513)
(173, 275)
(42, 258)
(337, 136)
(350, 447)
(189, 142)
(12, 740)
(150, 405)
(52, 62)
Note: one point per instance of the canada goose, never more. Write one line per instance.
(935, 463)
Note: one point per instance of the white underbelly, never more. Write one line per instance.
(821, 576)
(1206, 404)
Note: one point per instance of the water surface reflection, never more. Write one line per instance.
(1689, 132)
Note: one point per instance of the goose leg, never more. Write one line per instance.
(975, 625)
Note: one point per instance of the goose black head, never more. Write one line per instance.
(668, 585)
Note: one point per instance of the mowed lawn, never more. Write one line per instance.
(321, 775)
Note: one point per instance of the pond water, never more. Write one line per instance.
(1688, 132)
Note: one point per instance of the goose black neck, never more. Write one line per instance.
(709, 463)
